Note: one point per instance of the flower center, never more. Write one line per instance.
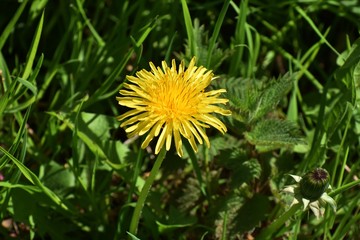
(319, 175)
(173, 98)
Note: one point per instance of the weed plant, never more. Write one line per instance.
(68, 171)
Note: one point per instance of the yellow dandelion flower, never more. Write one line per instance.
(171, 102)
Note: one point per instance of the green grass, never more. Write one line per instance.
(68, 171)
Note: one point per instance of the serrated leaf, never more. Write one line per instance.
(250, 99)
(272, 95)
(245, 172)
(251, 213)
(191, 194)
(242, 94)
(272, 133)
(218, 144)
(243, 169)
(232, 158)
(241, 216)
(225, 224)
(249, 170)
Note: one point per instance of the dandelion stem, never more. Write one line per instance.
(270, 230)
(145, 191)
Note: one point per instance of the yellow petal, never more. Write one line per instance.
(161, 139)
(193, 144)
(178, 143)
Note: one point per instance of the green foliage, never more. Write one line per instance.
(201, 42)
(67, 171)
(254, 105)
(272, 133)
(251, 102)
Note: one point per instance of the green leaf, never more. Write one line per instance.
(133, 237)
(237, 161)
(23, 211)
(239, 39)
(216, 32)
(175, 220)
(336, 109)
(19, 137)
(37, 214)
(34, 74)
(28, 188)
(241, 216)
(100, 93)
(242, 95)
(97, 37)
(34, 179)
(93, 130)
(251, 99)
(190, 195)
(6, 98)
(189, 28)
(225, 225)
(33, 49)
(58, 178)
(252, 213)
(11, 25)
(271, 96)
(201, 42)
(272, 133)
(218, 144)
(349, 72)
(316, 30)
(341, 111)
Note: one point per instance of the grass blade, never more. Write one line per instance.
(239, 40)
(216, 32)
(34, 179)
(189, 28)
(33, 48)
(99, 40)
(11, 25)
(317, 31)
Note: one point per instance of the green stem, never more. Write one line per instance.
(144, 192)
(344, 188)
(269, 231)
(123, 216)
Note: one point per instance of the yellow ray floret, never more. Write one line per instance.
(169, 103)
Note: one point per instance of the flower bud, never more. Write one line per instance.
(314, 184)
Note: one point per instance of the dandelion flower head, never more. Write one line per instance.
(311, 191)
(170, 103)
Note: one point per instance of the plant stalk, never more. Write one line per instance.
(145, 191)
